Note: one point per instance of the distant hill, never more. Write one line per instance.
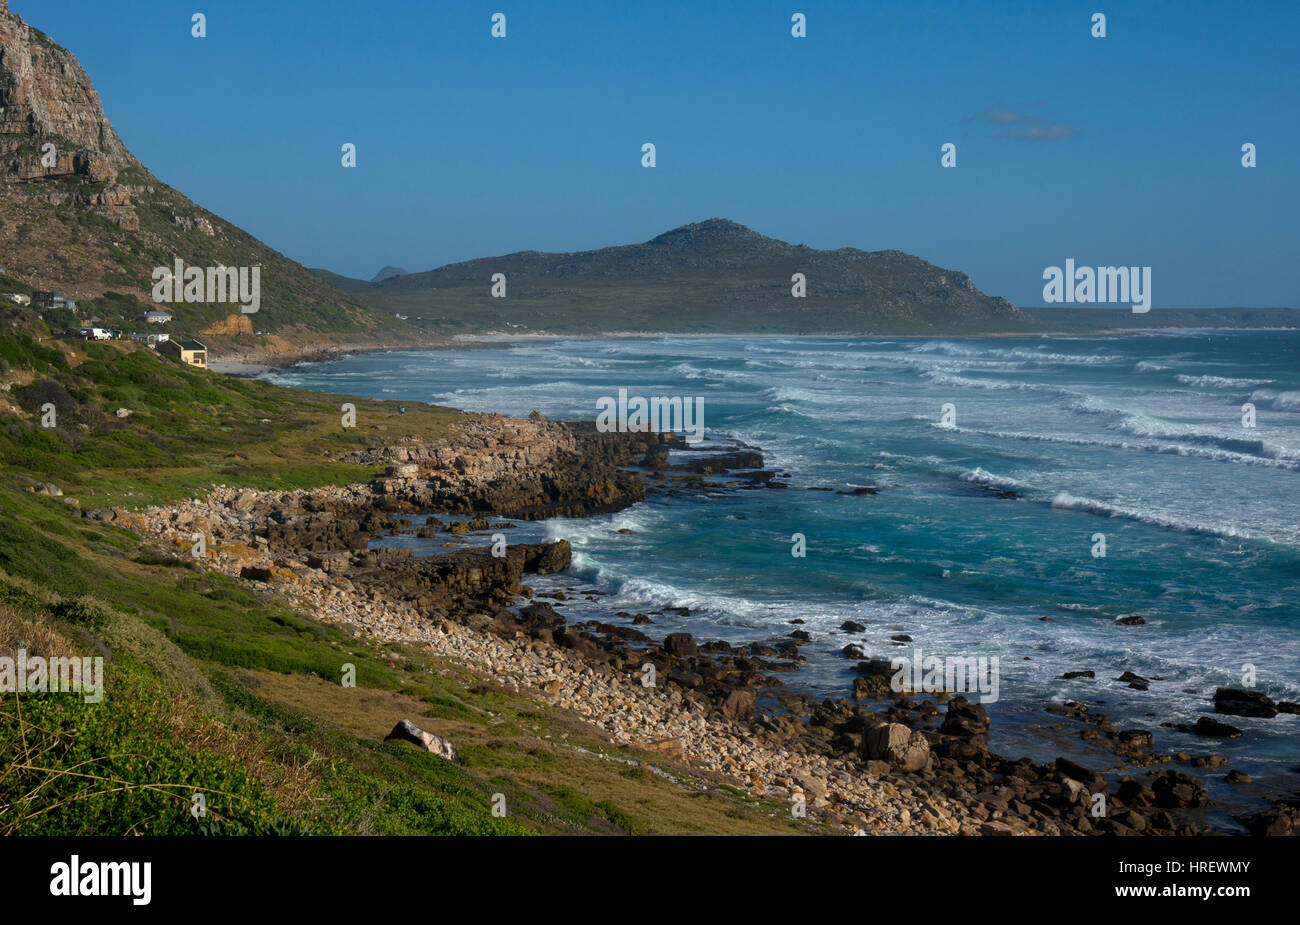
(93, 222)
(710, 276)
(387, 273)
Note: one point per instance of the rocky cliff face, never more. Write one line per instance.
(54, 136)
(80, 215)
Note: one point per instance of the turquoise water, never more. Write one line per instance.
(1138, 437)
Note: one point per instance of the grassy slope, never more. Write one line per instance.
(214, 688)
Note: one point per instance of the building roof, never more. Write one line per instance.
(189, 345)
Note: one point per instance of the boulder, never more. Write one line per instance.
(1233, 701)
(965, 718)
(409, 732)
(680, 644)
(1208, 726)
(1072, 771)
(1175, 791)
(739, 704)
(1135, 738)
(897, 745)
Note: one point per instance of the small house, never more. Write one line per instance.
(156, 317)
(18, 298)
(150, 340)
(190, 351)
(53, 300)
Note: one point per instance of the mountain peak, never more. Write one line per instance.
(709, 231)
(387, 273)
(61, 162)
(46, 97)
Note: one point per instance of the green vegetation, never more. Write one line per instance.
(214, 688)
(185, 429)
(709, 277)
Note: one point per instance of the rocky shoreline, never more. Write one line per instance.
(878, 762)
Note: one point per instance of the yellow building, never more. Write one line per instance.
(191, 351)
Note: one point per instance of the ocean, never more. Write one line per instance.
(982, 538)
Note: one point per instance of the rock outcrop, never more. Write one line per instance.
(63, 167)
(407, 731)
(53, 128)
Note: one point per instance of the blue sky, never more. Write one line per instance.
(1122, 150)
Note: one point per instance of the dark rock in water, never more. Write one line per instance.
(852, 626)
(1131, 620)
(965, 718)
(1286, 706)
(1135, 793)
(1086, 776)
(1233, 701)
(877, 678)
(853, 650)
(876, 667)
(1209, 761)
(1174, 790)
(1236, 777)
(1135, 681)
(548, 558)
(1135, 738)
(723, 462)
(641, 620)
(801, 635)
(1208, 726)
(797, 621)
(902, 637)
(409, 732)
(860, 490)
(680, 644)
(1079, 674)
